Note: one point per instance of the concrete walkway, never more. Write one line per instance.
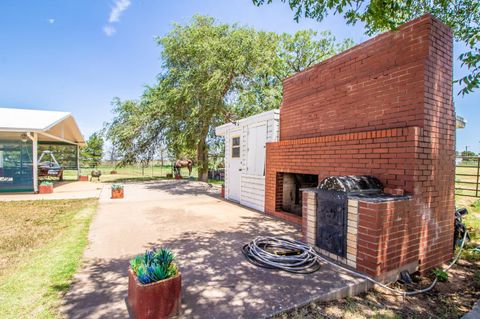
(207, 234)
(62, 190)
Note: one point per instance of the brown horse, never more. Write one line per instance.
(183, 163)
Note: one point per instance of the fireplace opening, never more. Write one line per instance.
(291, 196)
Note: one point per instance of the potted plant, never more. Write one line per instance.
(45, 187)
(83, 178)
(117, 191)
(154, 285)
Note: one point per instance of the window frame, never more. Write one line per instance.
(234, 146)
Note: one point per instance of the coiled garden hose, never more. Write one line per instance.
(282, 253)
(297, 257)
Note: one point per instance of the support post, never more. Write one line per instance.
(35, 161)
(78, 162)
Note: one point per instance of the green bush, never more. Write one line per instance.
(154, 265)
(441, 274)
(117, 186)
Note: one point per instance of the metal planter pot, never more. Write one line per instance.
(157, 300)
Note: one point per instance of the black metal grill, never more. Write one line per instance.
(332, 208)
(332, 221)
(352, 184)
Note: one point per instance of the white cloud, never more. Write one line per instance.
(51, 21)
(117, 10)
(109, 30)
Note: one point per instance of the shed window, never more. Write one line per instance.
(236, 147)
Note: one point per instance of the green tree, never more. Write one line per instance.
(205, 65)
(212, 74)
(463, 16)
(293, 53)
(91, 155)
(467, 155)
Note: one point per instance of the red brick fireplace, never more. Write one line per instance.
(383, 108)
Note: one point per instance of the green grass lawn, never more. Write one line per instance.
(135, 173)
(41, 245)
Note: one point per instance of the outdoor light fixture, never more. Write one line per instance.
(24, 137)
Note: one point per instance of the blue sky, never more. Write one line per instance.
(77, 55)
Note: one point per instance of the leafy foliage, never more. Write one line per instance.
(154, 265)
(466, 155)
(441, 274)
(91, 155)
(463, 16)
(117, 186)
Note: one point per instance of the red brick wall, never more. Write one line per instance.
(387, 154)
(375, 85)
(383, 108)
(435, 166)
(388, 236)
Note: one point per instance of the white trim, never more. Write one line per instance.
(57, 122)
(265, 116)
(36, 121)
(57, 138)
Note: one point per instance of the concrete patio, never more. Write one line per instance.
(207, 234)
(62, 190)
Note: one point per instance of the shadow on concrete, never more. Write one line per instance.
(217, 280)
(184, 187)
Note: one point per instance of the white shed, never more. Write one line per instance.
(245, 156)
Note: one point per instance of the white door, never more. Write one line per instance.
(234, 169)
(257, 137)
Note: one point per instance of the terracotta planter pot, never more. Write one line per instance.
(113, 172)
(117, 193)
(222, 193)
(45, 189)
(169, 175)
(83, 178)
(157, 300)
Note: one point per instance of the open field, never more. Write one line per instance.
(467, 178)
(134, 173)
(41, 245)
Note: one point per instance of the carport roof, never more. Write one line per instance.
(51, 125)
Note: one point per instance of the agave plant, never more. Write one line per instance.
(117, 186)
(154, 265)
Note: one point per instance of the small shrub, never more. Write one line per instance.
(46, 183)
(117, 186)
(154, 265)
(441, 274)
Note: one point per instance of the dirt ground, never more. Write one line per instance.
(450, 299)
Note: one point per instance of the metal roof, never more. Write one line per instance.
(52, 125)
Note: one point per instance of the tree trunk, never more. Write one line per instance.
(202, 156)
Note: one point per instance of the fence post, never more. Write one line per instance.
(478, 176)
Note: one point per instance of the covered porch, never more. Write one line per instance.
(27, 134)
